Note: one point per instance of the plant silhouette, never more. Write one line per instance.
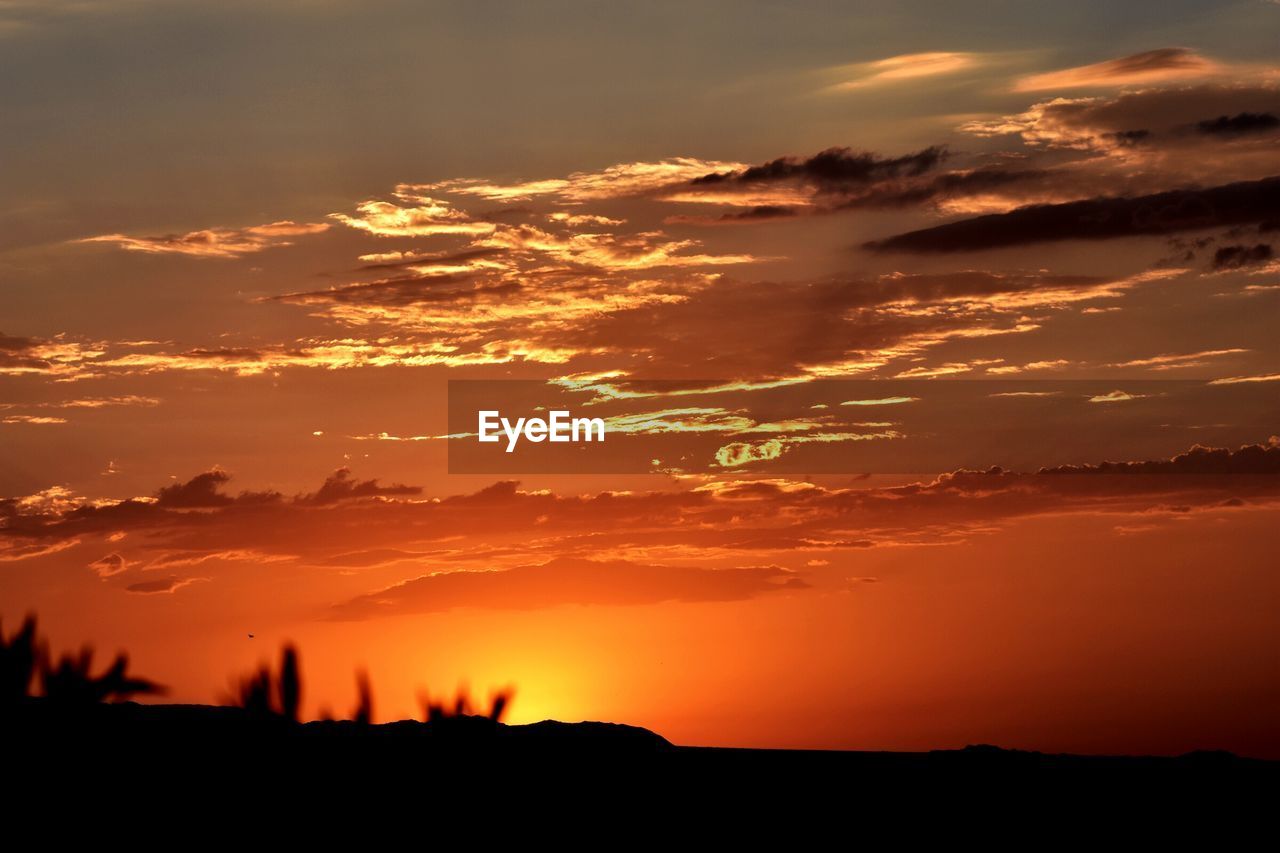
(456, 722)
(290, 687)
(68, 681)
(18, 658)
(277, 696)
(363, 714)
(71, 682)
(461, 706)
(266, 696)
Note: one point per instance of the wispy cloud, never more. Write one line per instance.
(39, 420)
(1236, 380)
(214, 242)
(898, 69)
(1172, 361)
(621, 181)
(1115, 397)
(880, 401)
(1152, 66)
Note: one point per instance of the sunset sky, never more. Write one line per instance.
(868, 293)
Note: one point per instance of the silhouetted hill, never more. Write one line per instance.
(36, 724)
(185, 734)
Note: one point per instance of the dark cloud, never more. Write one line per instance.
(206, 530)
(340, 486)
(445, 288)
(22, 355)
(202, 491)
(844, 180)
(759, 213)
(238, 354)
(832, 170)
(949, 185)
(841, 179)
(11, 343)
(1248, 459)
(1238, 124)
(1097, 219)
(1129, 138)
(1234, 257)
(570, 581)
(159, 586)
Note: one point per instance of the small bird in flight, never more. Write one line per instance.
(251, 636)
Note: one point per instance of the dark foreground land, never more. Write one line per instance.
(177, 737)
(175, 775)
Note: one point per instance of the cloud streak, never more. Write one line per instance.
(571, 581)
(903, 68)
(214, 242)
(1164, 65)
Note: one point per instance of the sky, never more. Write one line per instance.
(935, 341)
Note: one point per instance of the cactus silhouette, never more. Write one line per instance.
(267, 696)
(290, 684)
(364, 706)
(499, 705)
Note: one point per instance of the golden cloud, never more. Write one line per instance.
(214, 242)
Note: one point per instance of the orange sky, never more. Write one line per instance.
(813, 286)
